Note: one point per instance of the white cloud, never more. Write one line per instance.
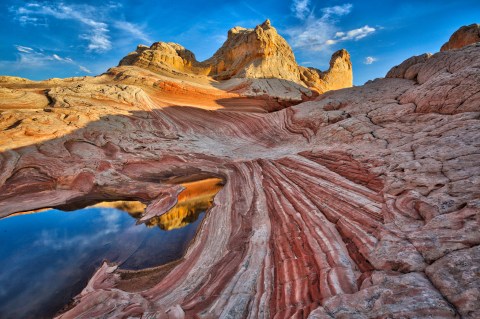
(337, 10)
(355, 34)
(29, 57)
(133, 29)
(97, 31)
(24, 20)
(59, 58)
(84, 69)
(98, 41)
(300, 8)
(96, 21)
(56, 57)
(318, 33)
(369, 60)
(23, 49)
(311, 35)
(57, 240)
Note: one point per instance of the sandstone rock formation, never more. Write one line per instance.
(259, 53)
(464, 36)
(338, 76)
(360, 203)
(171, 58)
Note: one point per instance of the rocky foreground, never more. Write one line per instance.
(362, 202)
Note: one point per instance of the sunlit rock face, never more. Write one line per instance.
(254, 53)
(357, 203)
(259, 53)
(165, 57)
(464, 36)
(338, 76)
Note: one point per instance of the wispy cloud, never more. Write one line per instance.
(355, 34)
(23, 49)
(369, 60)
(318, 33)
(300, 8)
(97, 31)
(135, 30)
(84, 69)
(258, 13)
(58, 58)
(95, 22)
(30, 57)
(57, 240)
(337, 10)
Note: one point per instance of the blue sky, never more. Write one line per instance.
(44, 39)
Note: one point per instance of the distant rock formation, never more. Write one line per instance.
(164, 57)
(409, 68)
(464, 36)
(259, 53)
(338, 76)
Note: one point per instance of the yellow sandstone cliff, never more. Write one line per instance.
(259, 53)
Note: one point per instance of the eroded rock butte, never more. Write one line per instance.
(357, 203)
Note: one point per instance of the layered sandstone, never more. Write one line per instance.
(338, 76)
(171, 58)
(360, 203)
(259, 53)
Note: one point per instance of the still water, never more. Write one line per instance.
(47, 258)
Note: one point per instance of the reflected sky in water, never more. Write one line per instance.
(48, 257)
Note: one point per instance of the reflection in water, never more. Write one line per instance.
(193, 200)
(134, 208)
(47, 258)
(196, 198)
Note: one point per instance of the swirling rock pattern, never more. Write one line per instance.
(361, 203)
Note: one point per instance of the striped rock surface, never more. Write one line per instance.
(361, 203)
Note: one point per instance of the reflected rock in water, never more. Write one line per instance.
(196, 198)
(134, 208)
(51, 255)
